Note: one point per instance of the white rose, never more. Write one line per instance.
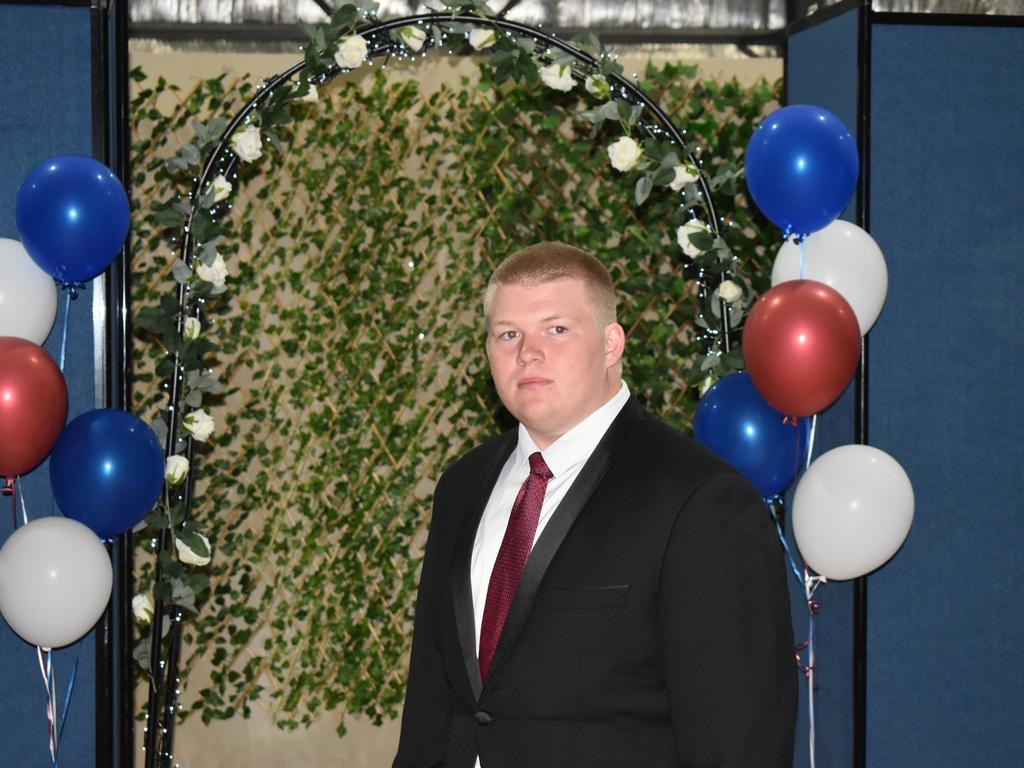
(351, 52)
(729, 292)
(199, 424)
(482, 38)
(557, 76)
(142, 608)
(216, 273)
(684, 175)
(192, 328)
(187, 555)
(311, 95)
(247, 144)
(692, 227)
(220, 187)
(175, 469)
(625, 154)
(414, 37)
(597, 85)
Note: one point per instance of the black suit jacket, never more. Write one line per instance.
(650, 628)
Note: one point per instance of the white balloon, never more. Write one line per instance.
(55, 581)
(852, 511)
(28, 295)
(845, 257)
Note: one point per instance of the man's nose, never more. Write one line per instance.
(529, 351)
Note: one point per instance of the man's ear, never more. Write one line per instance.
(614, 343)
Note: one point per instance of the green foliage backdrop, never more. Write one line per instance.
(352, 363)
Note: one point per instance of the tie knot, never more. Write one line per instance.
(538, 467)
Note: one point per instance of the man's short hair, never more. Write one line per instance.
(551, 261)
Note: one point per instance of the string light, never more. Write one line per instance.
(384, 45)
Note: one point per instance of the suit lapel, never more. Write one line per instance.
(557, 529)
(462, 588)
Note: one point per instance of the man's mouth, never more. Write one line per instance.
(533, 381)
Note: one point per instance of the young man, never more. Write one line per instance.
(598, 590)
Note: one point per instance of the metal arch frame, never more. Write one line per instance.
(162, 701)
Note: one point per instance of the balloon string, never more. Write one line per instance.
(67, 698)
(782, 537)
(811, 584)
(64, 331)
(801, 259)
(810, 440)
(24, 510)
(46, 668)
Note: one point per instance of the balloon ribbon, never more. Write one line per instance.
(46, 668)
(55, 727)
(71, 294)
(810, 583)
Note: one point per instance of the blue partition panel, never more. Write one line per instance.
(821, 69)
(947, 362)
(46, 93)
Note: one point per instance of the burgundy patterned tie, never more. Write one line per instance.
(515, 548)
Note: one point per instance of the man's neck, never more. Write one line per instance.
(544, 440)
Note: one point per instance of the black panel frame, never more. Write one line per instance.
(866, 20)
(111, 145)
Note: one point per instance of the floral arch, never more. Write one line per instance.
(645, 150)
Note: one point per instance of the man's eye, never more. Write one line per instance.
(558, 329)
(507, 335)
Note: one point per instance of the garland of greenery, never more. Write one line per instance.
(201, 276)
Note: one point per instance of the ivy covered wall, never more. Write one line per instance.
(352, 369)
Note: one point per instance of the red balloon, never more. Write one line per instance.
(801, 345)
(33, 405)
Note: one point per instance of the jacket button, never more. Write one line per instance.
(482, 717)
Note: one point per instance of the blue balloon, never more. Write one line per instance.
(801, 168)
(72, 217)
(107, 470)
(734, 421)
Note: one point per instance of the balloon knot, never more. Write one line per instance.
(73, 288)
(8, 488)
(813, 606)
(791, 420)
(798, 653)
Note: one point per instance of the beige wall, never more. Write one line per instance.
(185, 68)
(256, 741)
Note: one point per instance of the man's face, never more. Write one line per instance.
(552, 363)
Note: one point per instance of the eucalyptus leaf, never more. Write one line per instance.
(182, 274)
(609, 110)
(152, 319)
(710, 361)
(141, 652)
(195, 542)
(159, 427)
(589, 42)
(735, 315)
(663, 176)
(642, 190)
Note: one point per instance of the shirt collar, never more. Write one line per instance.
(576, 445)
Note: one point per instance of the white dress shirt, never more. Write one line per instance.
(565, 458)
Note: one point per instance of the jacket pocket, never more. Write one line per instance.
(582, 598)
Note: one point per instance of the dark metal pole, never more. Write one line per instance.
(111, 145)
(104, 658)
(860, 425)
